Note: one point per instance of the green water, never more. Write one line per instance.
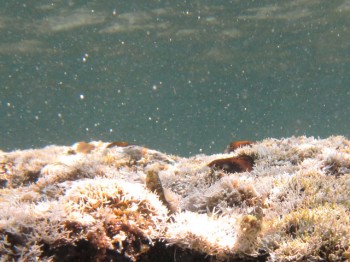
(182, 77)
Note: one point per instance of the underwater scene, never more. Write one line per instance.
(145, 131)
(182, 77)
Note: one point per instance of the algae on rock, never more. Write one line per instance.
(108, 201)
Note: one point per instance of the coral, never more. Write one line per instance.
(271, 200)
(213, 235)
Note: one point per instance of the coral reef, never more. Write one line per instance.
(271, 200)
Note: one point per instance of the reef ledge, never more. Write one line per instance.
(271, 200)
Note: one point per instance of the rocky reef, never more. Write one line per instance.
(271, 200)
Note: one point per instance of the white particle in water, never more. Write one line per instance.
(85, 57)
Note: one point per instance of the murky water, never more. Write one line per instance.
(181, 77)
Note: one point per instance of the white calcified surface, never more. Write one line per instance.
(293, 205)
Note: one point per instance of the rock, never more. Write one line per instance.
(282, 200)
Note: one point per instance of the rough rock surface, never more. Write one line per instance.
(117, 202)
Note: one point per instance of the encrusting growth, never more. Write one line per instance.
(269, 200)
